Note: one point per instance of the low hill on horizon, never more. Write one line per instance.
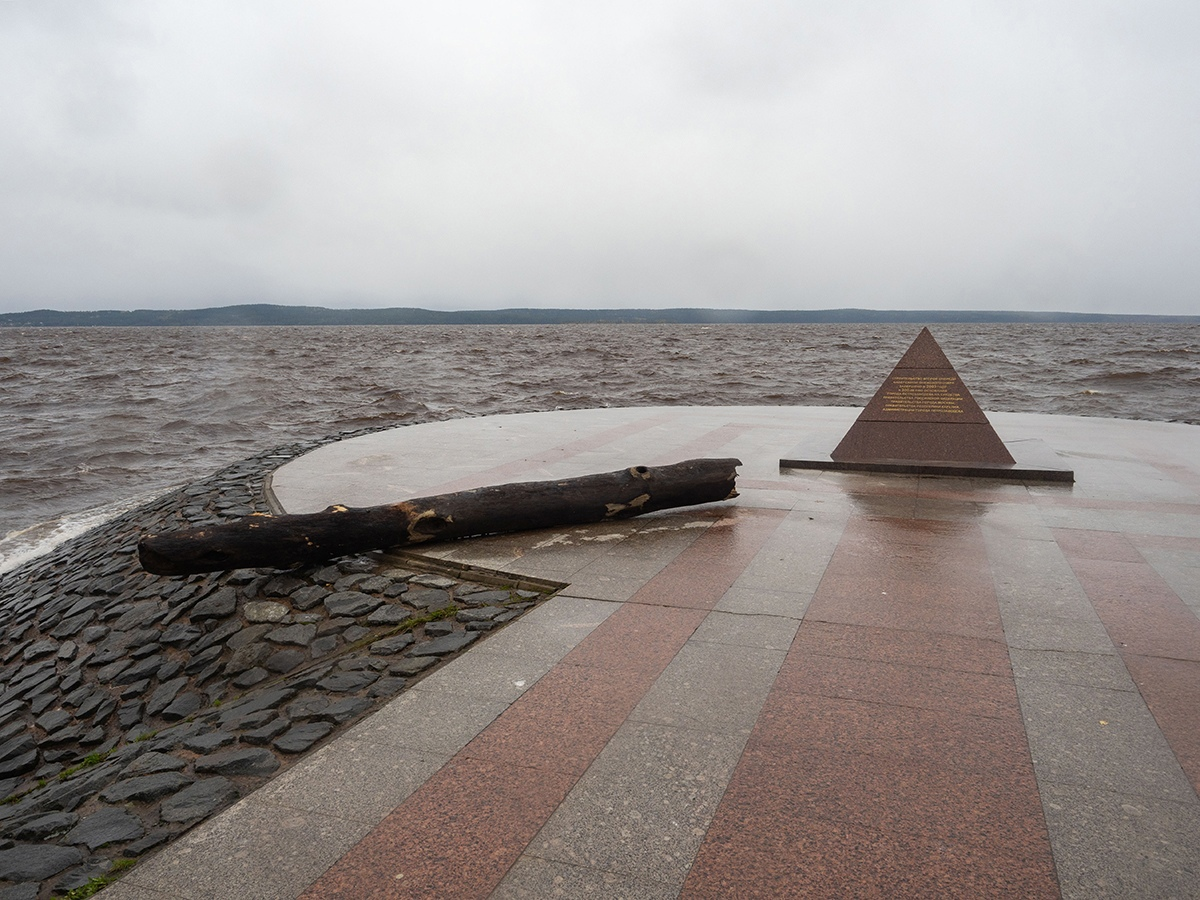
(273, 314)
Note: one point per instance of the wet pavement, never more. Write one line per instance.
(838, 684)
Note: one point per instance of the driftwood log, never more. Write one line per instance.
(292, 540)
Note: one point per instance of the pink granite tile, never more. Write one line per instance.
(917, 551)
(456, 836)
(921, 648)
(884, 506)
(794, 726)
(1139, 609)
(1171, 689)
(894, 792)
(837, 860)
(899, 684)
(906, 606)
(862, 484)
(1106, 545)
(887, 533)
(701, 574)
(909, 557)
(908, 562)
(693, 589)
(565, 721)
(961, 783)
(1170, 509)
(637, 638)
(902, 583)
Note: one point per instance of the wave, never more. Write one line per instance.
(32, 541)
(1138, 374)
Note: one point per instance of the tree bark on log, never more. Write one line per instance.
(291, 540)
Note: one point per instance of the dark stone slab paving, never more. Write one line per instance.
(133, 706)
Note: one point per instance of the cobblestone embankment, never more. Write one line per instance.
(133, 707)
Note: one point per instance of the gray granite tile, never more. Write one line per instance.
(1102, 670)
(1099, 738)
(490, 675)
(796, 555)
(252, 851)
(644, 805)
(622, 566)
(125, 890)
(765, 632)
(763, 602)
(543, 636)
(430, 721)
(1122, 845)
(1044, 601)
(1180, 569)
(660, 536)
(353, 778)
(540, 879)
(1044, 633)
(1035, 576)
(576, 558)
(717, 687)
(608, 587)
(567, 611)
(1014, 521)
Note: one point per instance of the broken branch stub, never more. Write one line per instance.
(291, 540)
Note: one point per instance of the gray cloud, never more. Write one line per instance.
(757, 154)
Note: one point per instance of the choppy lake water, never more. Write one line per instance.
(92, 416)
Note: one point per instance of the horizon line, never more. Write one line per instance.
(286, 314)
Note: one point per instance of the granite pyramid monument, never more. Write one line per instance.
(923, 413)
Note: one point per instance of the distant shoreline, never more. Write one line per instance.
(271, 314)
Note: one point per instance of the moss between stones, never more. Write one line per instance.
(100, 882)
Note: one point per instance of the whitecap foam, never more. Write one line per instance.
(29, 543)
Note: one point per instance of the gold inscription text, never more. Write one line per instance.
(922, 394)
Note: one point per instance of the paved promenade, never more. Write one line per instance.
(836, 685)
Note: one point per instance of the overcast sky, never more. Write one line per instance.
(962, 155)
